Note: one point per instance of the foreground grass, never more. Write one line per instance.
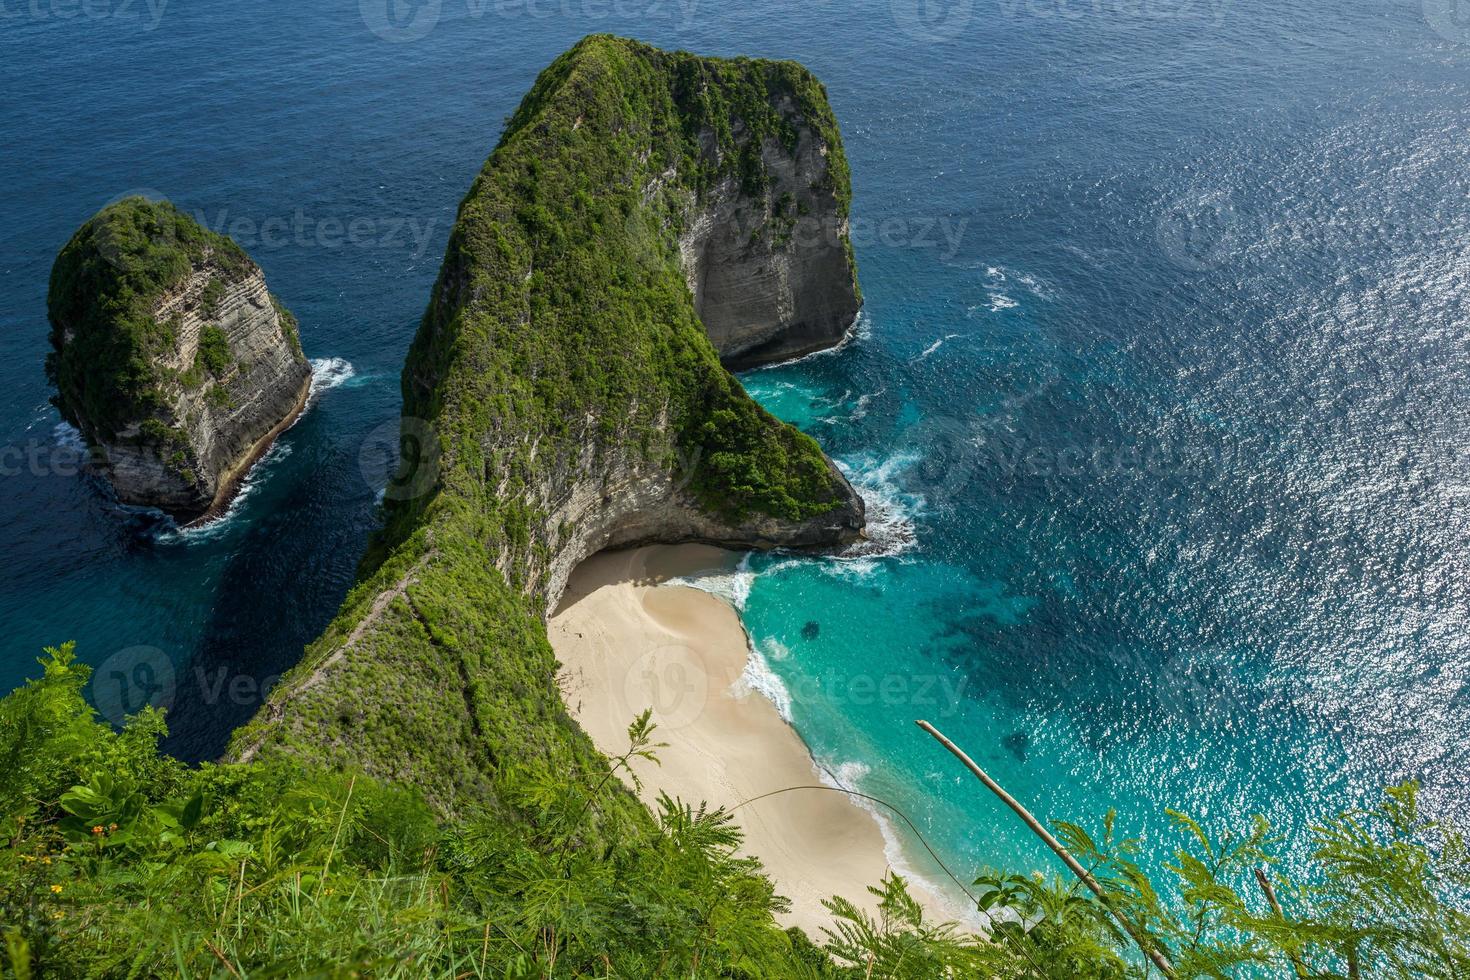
(121, 862)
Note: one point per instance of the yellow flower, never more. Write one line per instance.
(97, 829)
(56, 889)
(46, 859)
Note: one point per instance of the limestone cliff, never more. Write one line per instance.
(771, 272)
(170, 356)
(563, 395)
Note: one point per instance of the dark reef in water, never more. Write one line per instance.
(1017, 742)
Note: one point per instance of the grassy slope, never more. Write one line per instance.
(554, 326)
(561, 320)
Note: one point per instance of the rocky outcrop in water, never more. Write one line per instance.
(636, 231)
(171, 356)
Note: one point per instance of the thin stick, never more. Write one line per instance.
(1149, 949)
(871, 799)
(331, 851)
(221, 957)
(1265, 883)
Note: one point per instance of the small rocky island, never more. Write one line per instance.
(170, 356)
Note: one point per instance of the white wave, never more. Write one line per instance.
(849, 777)
(995, 275)
(733, 586)
(861, 409)
(1037, 288)
(215, 526)
(68, 436)
(1000, 301)
(758, 677)
(892, 513)
(936, 345)
(853, 570)
(328, 373)
(833, 402)
(861, 329)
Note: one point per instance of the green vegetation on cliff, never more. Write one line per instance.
(561, 338)
(119, 862)
(106, 343)
(415, 800)
(563, 298)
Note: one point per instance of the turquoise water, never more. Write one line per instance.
(1159, 396)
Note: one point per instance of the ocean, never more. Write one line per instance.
(1159, 397)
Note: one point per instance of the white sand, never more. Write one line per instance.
(628, 644)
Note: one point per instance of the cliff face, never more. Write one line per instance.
(772, 273)
(170, 355)
(565, 394)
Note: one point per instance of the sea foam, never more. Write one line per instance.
(760, 678)
(862, 329)
(892, 513)
(216, 526)
(68, 436)
(328, 373)
(850, 777)
(733, 585)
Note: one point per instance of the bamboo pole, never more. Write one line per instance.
(1265, 883)
(1151, 948)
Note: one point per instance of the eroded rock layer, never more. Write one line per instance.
(170, 356)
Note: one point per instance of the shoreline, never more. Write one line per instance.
(627, 641)
(234, 478)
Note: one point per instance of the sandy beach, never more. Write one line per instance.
(628, 642)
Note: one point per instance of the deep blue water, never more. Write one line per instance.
(1160, 394)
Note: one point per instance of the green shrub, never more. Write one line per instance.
(214, 349)
(119, 861)
(105, 285)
